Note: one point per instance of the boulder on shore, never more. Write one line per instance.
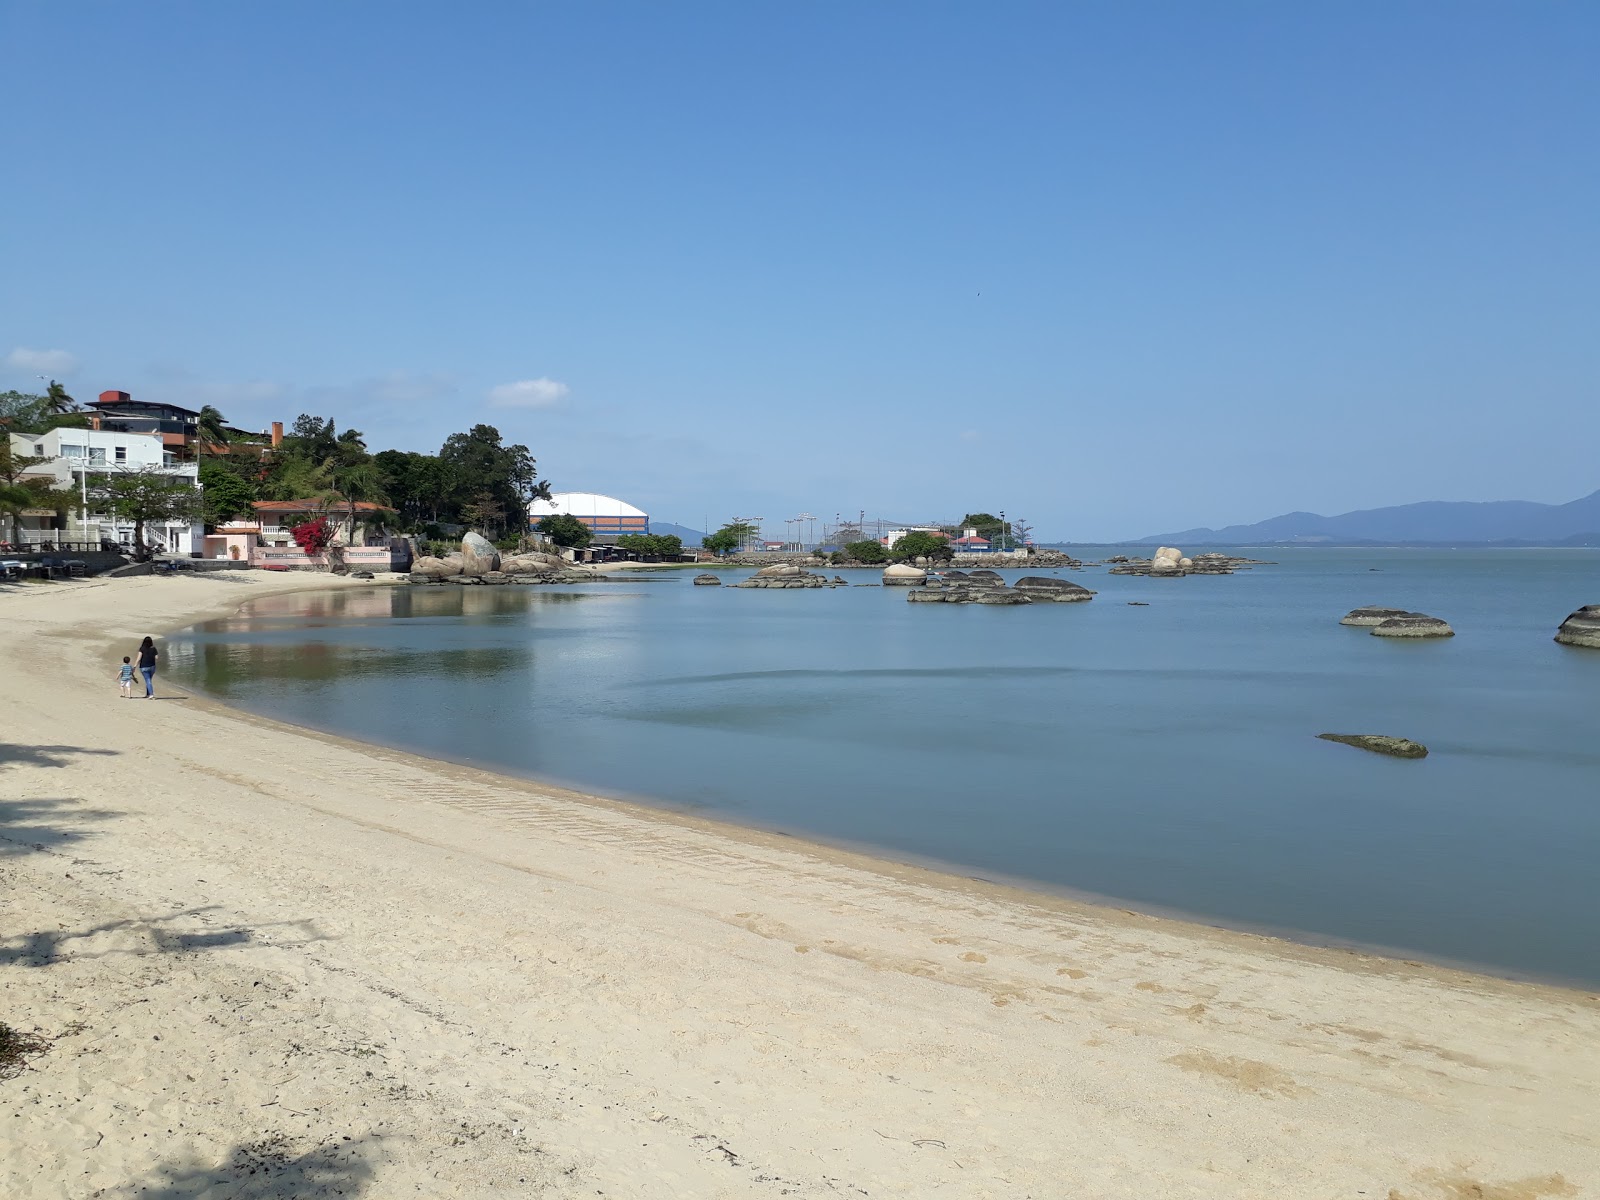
(707, 580)
(900, 575)
(1371, 615)
(1582, 628)
(1046, 587)
(428, 567)
(1413, 625)
(478, 555)
(531, 563)
(1378, 743)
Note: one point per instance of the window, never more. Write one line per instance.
(97, 454)
(120, 454)
(71, 451)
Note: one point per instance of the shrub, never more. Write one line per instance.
(313, 536)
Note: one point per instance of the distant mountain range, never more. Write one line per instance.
(691, 537)
(1505, 522)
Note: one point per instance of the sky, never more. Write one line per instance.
(1116, 268)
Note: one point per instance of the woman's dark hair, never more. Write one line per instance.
(146, 644)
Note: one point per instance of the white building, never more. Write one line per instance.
(67, 457)
(606, 516)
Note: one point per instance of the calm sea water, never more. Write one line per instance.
(1163, 756)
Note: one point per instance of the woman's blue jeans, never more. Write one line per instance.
(149, 674)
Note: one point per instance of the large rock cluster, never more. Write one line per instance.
(478, 562)
(1582, 628)
(786, 575)
(1169, 562)
(1413, 625)
(1372, 614)
(985, 587)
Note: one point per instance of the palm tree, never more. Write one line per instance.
(57, 401)
(212, 430)
(352, 485)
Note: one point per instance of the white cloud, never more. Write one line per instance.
(42, 362)
(529, 393)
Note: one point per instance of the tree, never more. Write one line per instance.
(476, 462)
(990, 527)
(867, 551)
(57, 401)
(485, 514)
(1022, 533)
(25, 412)
(351, 485)
(730, 537)
(144, 496)
(34, 495)
(313, 536)
(226, 494)
(652, 545)
(212, 430)
(565, 530)
(918, 544)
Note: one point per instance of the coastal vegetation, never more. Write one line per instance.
(730, 537)
(145, 497)
(564, 529)
(651, 545)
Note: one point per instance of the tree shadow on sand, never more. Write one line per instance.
(266, 1169)
(187, 931)
(45, 823)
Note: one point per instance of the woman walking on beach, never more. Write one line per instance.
(147, 667)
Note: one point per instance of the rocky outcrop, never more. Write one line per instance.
(985, 579)
(707, 580)
(426, 567)
(1046, 587)
(1396, 747)
(900, 575)
(1371, 615)
(1172, 564)
(779, 571)
(1413, 625)
(532, 563)
(967, 594)
(1582, 628)
(478, 555)
(792, 578)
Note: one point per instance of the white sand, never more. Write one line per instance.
(279, 964)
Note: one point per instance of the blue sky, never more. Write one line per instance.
(1118, 268)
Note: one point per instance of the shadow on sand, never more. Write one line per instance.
(187, 931)
(266, 1169)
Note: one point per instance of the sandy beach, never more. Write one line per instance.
(261, 961)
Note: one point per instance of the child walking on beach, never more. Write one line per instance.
(125, 679)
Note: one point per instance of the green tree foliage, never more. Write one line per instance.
(478, 462)
(226, 493)
(651, 545)
(867, 551)
(144, 496)
(918, 544)
(565, 530)
(989, 527)
(730, 537)
(25, 412)
(417, 486)
(351, 485)
(57, 400)
(213, 430)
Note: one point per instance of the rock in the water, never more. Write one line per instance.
(478, 555)
(1045, 587)
(1167, 554)
(779, 570)
(1582, 628)
(530, 564)
(707, 580)
(1413, 625)
(1000, 595)
(986, 578)
(1378, 743)
(495, 577)
(799, 579)
(964, 594)
(900, 575)
(434, 568)
(1371, 615)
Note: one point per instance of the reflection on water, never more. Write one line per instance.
(1163, 754)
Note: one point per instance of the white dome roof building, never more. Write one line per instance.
(606, 516)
